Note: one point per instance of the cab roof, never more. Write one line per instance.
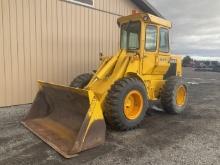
(146, 17)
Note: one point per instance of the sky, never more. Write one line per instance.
(196, 25)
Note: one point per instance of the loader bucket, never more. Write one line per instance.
(69, 120)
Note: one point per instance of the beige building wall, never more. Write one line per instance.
(53, 40)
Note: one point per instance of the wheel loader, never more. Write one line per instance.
(72, 119)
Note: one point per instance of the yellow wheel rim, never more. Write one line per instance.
(133, 105)
(181, 96)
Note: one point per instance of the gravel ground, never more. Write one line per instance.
(190, 138)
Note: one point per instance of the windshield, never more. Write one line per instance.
(130, 36)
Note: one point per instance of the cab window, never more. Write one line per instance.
(164, 40)
(130, 36)
(151, 38)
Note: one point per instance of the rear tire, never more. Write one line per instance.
(174, 95)
(81, 81)
(126, 104)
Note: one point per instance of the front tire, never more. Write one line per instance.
(174, 96)
(126, 104)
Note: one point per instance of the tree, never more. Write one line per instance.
(187, 61)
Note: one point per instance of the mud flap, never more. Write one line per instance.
(69, 120)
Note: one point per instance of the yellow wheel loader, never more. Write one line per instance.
(73, 119)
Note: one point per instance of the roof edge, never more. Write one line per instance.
(147, 7)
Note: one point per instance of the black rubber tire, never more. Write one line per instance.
(81, 81)
(114, 104)
(168, 95)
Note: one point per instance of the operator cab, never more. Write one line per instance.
(132, 34)
(147, 36)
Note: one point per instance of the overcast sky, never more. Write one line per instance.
(196, 25)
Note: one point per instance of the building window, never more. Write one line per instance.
(83, 2)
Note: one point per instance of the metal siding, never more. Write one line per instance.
(38, 40)
(33, 47)
(53, 40)
(54, 43)
(44, 38)
(60, 41)
(7, 51)
(65, 43)
(27, 48)
(21, 58)
(69, 47)
(2, 62)
(49, 41)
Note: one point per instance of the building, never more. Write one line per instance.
(54, 40)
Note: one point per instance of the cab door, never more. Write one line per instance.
(163, 56)
(150, 49)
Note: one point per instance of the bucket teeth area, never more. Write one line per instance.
(53, 133)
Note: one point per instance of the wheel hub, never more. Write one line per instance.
(133, 105)
(181, 96)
